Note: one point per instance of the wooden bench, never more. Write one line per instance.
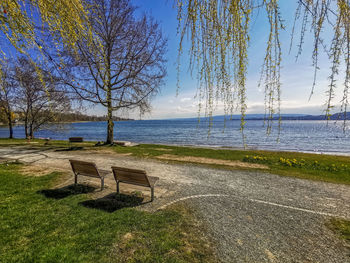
(87, 169)
(135, 177)
(75, 140)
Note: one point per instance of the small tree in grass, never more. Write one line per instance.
(38, 97)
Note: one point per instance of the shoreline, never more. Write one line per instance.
(213, 147)
(250, 149)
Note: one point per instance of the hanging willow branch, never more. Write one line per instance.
(333, 14)
(220, 50)
(272, 65)
(25, 23)
(219, 32)
(19, 18)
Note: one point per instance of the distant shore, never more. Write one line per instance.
(54, 123)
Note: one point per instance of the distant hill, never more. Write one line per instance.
(77, 117)
(336, 116)
(261, 117)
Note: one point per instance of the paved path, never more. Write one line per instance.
(251, 216)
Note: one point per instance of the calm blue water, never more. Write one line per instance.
(306, 136)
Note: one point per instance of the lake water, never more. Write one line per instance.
(304, 136)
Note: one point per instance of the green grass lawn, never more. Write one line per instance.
(38, 227)
(319, 167)
(341, 227)
(42, 143)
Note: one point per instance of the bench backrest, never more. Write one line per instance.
(76, 139)
(84, 168)
(133, 176)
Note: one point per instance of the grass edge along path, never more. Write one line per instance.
(318, 167)
(35, 228)
(342, 228)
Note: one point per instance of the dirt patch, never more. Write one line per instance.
(124, 154)
(270, 256)
(204, 160)
(99, 150)
(107, 151)
(36, 170)
(128, 236)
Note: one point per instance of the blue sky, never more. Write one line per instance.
(297, 76)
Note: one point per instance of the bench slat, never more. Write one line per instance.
(128, 170)
(76, 139)
(84, 168)
(132, 177)
(135, 177)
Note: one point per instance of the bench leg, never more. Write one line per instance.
(152, 194)
(102, 183)
(117, 187)
(75, 179)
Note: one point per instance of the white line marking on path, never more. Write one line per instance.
(255, 201)
(190, 197)
(295, 208)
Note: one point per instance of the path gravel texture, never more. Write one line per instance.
(250, 216)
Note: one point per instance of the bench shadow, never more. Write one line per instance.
(66, 191)
(113, 202)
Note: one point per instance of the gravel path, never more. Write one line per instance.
(251, 216)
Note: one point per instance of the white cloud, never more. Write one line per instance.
(185, 99)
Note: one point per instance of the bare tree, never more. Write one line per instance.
(7, 95)
(39, 99)
(124, 65)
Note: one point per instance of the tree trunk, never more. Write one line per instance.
(26, 129)
(31, 131)
(10, 124)
(110, 124)
(9, 119)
